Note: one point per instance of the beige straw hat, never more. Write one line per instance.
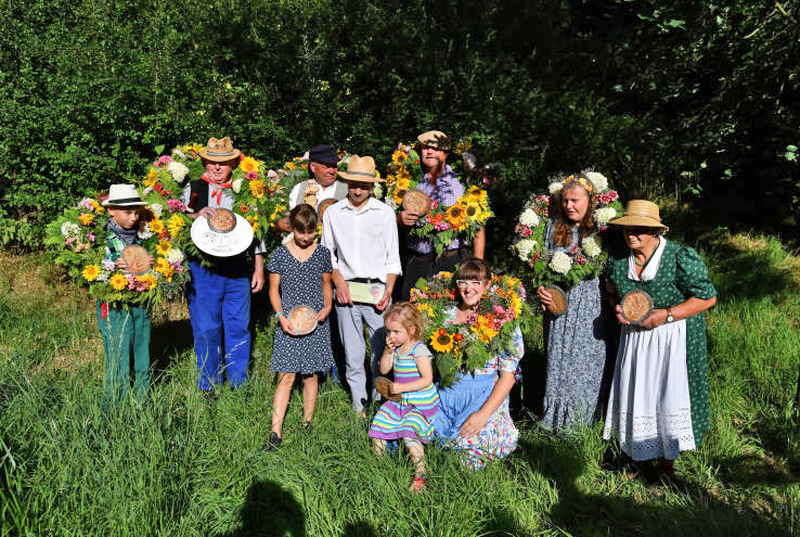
(219, 150)
(360, 169)
(640, 213)
(436, 140)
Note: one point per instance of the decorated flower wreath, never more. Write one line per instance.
(582, 261)
(260, 195)
(442, 223)
(489, 330)
(78, 241)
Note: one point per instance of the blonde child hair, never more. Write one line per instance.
(407, 314)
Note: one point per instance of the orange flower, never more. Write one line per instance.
(86, 218)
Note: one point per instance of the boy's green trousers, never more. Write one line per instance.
(125, 332)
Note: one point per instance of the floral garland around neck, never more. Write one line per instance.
(489, 330)
(581, 261)
(77, 242)
(442, 223)
(259, 195)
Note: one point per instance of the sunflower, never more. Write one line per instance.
(91, 272)
(86, 218)
(175, 224)
(163, 266)
(253, 220)
(156, 225)
(257, 188)
(455, 216)
(476, 194)
(404, 183)
(442, 341)
(149, 279)
(152, 177)
(118, 281)
(399, 157)
(472, 211)
(398, 195)
(249, 164)
(163, 247)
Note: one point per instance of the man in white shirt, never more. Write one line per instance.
(321, 185)
(361, 233)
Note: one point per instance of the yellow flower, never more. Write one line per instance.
(277, 213)
(404, 183)
(253, 222)
(91, 272)
(472, 211)
(175, 224)
(403, 173)
(163, 247)
(151, 179)
(86, 218)
(475, 194)
(257, 188)
(98, 209)
(398, 195)
(249, 164)
(156, 225)
(163, 266)
(442, 342)
(192, 147)
(399, 157)
(516, 303)
(150, 279)
(290, 166)
(118, 281)
(455, 215)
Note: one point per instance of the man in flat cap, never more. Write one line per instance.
(441, 184)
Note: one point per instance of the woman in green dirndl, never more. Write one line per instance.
(658, 405)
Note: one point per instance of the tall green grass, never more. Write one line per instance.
(181, 465)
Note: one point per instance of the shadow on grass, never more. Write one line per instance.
(270, 510)
(582, 513)
(168, 341)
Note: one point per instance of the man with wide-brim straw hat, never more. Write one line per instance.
(219, 293)
(640, 213)
(361, 233)
(442, 185)
(660, 384)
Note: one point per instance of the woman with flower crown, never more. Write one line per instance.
(576, 340)
(473, 414)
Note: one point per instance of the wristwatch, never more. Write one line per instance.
(670, 317)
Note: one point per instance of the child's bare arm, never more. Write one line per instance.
(327, 297)
(275, 301)
(386, 359)
(425, 377)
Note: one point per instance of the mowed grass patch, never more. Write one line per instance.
(184, 465)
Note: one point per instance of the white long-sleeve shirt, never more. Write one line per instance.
(363, 242)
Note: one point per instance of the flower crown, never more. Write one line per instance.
(591, 181)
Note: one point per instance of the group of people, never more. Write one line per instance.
(658, 402)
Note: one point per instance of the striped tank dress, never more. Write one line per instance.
(412, 416)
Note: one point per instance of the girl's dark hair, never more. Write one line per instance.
(472, 268)
(303, 218)
(562, 227)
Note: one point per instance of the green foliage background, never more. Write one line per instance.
(666, 98)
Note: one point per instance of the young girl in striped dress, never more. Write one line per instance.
(411, 418)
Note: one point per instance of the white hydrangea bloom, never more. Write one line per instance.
(157, 209)
(178, 171)
(591, 246)
(604, 215)
(237, 185)
(175, 256)
(524, 248)
(529, 218)
(69, 229)
(599, 181)
(377, 190)
(560, 263)
(555, 188)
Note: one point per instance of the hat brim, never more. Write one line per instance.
(359, 178)
(637, 221)
(110, 203)
(211, 242)
(219, 158)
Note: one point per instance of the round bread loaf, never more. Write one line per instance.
(303, 320)
(323, 206)
(636, 306)
(417, 202)
(223, 221)
(137, 258)
(559, 304)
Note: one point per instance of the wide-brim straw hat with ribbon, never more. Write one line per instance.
(360, 169)
(123, 196)
(219, 150)
(640, 213)
(436, 140)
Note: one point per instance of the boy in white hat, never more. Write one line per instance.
(125, 328)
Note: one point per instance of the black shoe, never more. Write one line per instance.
(273, 443)
(209, 395)
(308, 427)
